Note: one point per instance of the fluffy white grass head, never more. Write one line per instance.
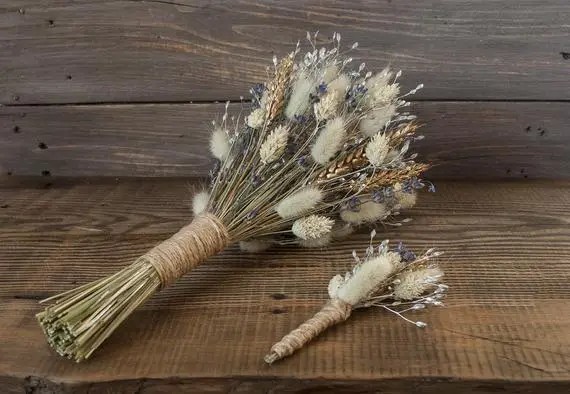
(299, 203)
(377, 120)
(274, 145)
(380, 90)
(200, 202)
(299, 99)
(339, 84)
(256, 119)
(379, 80)
(377, 149)
(327, 107)
(312, 227)
(219, 144)
(330, 73)
(384, 95)
(335, 283)
(320, 242)
(367, 277)
(405, 200)
(368, 212)
(254, 245)
(415, 283)
(329, 103)
(329, 141)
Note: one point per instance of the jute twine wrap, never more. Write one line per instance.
(335, 311)
(205, 236)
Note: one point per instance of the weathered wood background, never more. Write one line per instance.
(496, 76)
(96, 89)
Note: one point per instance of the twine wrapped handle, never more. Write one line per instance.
(335, 311)
(205, 236)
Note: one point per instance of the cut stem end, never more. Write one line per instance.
(271, 358)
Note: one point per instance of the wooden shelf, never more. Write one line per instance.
(506, 324)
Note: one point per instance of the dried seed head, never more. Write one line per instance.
(274, 145)
(384, 95)
(377, 120)
(415, 283)
(379, 80)
(367, 277)
(377, 149)
(329, 141)
(312, 227)
(320, 242)
(328, 106)
(405, 200)
(219, 144)
(299, 203)
(340, 84)
(368, 212)
(277, 87)
(299, 99)
(330, 102)
(256, 119)
(330, 73)
(380, 91)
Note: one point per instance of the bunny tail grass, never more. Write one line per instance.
(80, 320)
(334, 312)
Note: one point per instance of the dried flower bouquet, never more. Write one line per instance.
(394, 279)
(324, 149)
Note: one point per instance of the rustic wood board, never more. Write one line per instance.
(148, 51)
(506, 326)
(464, 139)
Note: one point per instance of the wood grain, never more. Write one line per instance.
(464, 139)
(506, 326)
(148, 51)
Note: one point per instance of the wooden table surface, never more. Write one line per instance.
(104, 111)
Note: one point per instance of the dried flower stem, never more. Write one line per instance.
(334, 312)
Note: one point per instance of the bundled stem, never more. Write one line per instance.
(81, 319)
(334, 312)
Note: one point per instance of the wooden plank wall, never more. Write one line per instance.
(75, 76)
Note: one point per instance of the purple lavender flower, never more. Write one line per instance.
(378, 196)
(406, 254)
(302, 161)
(300, 118)
(353, 204)
(258, 89)
(256, 180)
(252, 214)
